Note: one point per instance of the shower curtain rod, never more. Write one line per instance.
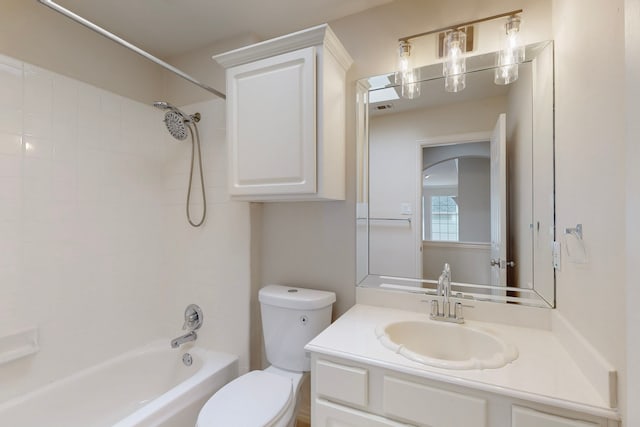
(80, 20)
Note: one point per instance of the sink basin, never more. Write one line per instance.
(447, 345)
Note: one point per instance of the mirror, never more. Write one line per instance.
(465, 178)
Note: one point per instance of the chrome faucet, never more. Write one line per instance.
(177, 342)
(192, 321)
(444, 283)
(444, 291)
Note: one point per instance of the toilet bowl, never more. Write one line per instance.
(291, 317)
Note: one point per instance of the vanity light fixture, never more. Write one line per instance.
(454, 46)
(511, 54)
(407, 77)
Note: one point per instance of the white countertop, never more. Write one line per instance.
(543, 372)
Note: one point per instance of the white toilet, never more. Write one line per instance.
(291, 317)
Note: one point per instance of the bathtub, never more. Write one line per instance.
(149, 386)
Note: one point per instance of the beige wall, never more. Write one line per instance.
(313, 244)
(590, 169)
(36, 34)
(199, 64)
(632, 15)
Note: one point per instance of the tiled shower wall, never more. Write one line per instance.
(94, 247)
(209, 265)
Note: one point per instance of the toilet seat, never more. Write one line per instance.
(255, 399)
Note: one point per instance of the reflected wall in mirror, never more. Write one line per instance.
(464, 178)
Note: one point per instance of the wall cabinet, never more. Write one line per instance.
(286, 117)
(353, 394)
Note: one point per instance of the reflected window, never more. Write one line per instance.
(444, 218)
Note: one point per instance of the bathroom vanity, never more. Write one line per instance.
(357, 381)
(514, 361)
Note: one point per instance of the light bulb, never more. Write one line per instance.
(407, 77)
(512, 30)
(454, 66)
(404, 54)
(511, 55)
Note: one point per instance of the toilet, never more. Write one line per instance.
(291, 317)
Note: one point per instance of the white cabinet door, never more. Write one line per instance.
(272, 125)
(329, 414)
(431, 406)
(525, 417)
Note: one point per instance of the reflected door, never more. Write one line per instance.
(499, 202)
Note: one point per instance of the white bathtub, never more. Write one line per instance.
(149, 386)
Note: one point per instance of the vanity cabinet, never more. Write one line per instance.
(353, 394)
(286, 117)
(525, 417)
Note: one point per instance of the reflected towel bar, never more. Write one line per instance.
(387, 219)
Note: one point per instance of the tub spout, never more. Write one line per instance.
(177, 342)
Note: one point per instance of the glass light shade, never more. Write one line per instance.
(404, 61)
(455, 83)
(513, 42)
(454, 66)
(406, 76)
(511, 54)
(505, 74)
(410, 87)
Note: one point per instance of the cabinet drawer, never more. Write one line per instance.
(429, 406)
(525, 417)
(346, 384)
(331, 415)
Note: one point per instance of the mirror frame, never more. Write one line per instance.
(503, 294)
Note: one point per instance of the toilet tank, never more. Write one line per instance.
(291, 317)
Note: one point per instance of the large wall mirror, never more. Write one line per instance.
(463, 178)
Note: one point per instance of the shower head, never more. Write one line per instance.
(175, 120)
(162, 105)
(176, 125)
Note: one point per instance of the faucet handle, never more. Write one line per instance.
(192, 317)
(434, 307)
(458, 312)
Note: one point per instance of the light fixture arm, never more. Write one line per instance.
(461, 25)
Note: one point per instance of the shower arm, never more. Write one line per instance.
(80, 20)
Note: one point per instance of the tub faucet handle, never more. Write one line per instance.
(192, 317)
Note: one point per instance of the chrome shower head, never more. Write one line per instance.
(176, 124)
(162, 105)
(175, 120)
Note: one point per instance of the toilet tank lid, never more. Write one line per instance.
(295, 298)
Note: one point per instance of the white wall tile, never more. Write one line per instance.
(92, 219)
(11, 81)
(10, 145)
(38, 90)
